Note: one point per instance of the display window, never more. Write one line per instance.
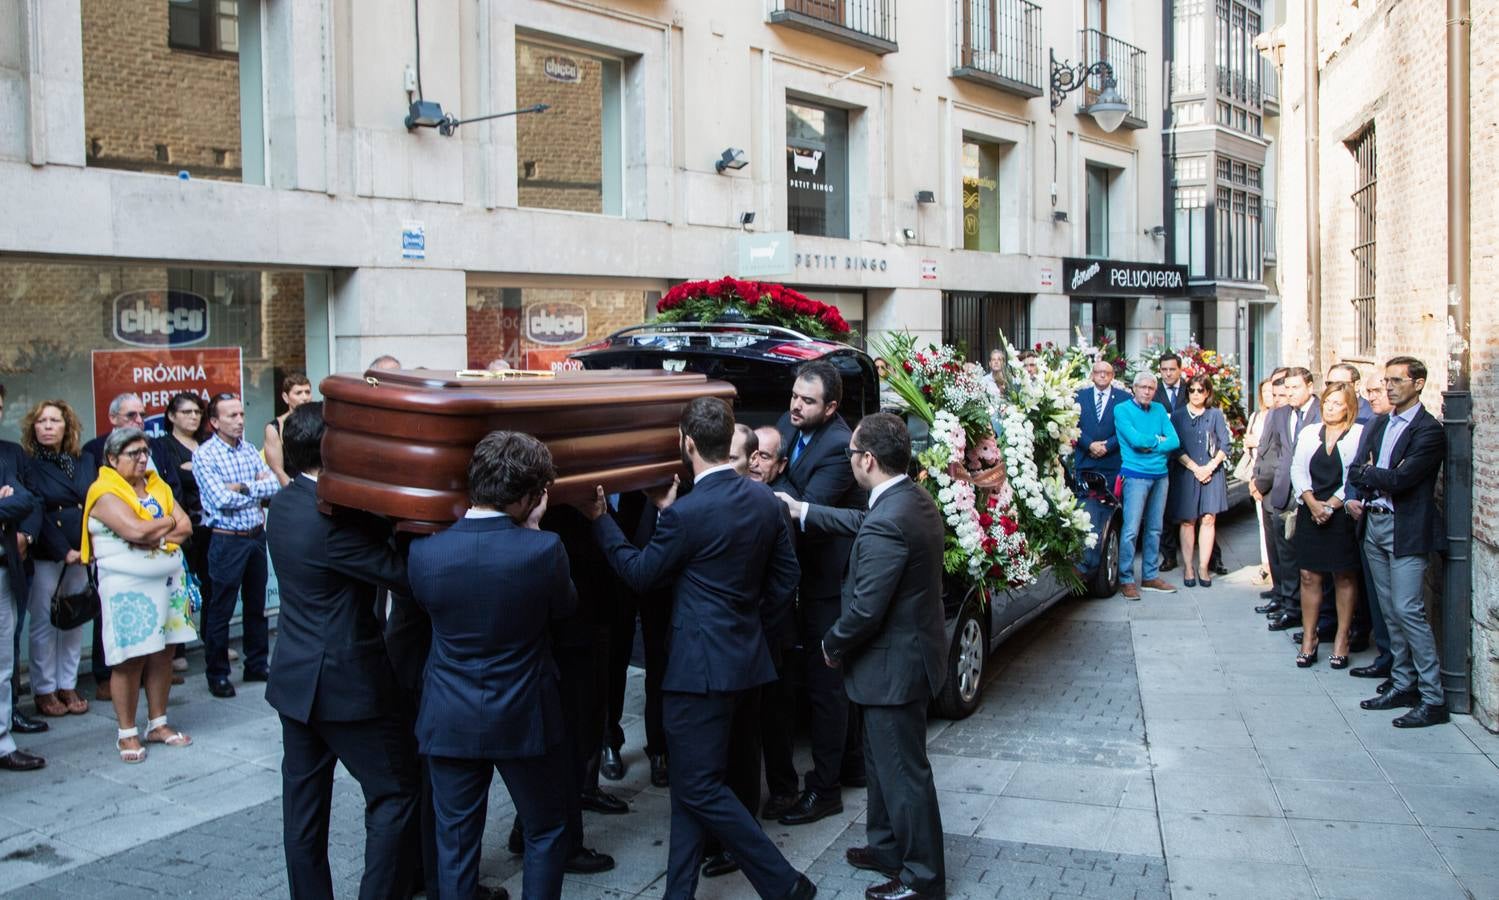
(536, 328)
(572, 157)
(816, 169)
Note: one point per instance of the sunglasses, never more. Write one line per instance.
(1196, 390)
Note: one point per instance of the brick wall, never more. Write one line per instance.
(139, 94)
(560, 156)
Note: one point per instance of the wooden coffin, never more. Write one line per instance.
(398, 443)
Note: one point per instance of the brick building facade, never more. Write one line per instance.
(1383, 79)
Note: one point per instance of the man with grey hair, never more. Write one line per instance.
(1146, 441)
(385, 363)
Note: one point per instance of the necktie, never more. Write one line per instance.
(1298, 425)
(1098, 402)
(798, 447)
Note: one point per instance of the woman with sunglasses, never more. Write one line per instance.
(173, 452)
(1199, 485)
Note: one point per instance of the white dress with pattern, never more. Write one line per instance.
(142, 597)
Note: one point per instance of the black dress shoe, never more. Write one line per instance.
(1219, 568)
(220, 687)
(720, 864)
(1269, 609)
(256, 676)
(584, 861)
(1385, 686)
(660, 773)
(611, 764)
(864, 858)
(1284, 620)
(601, 801)
(778, 805)
(23, 724)
(1370, 671)
(21, 761)
(804, 889)
(517, 842)
(1423, 716)
(1297, 636)
(812, 806)
(895, 889)
(1167, 565)
(1392, 699)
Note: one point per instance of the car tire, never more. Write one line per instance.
(966, 662)
(1105, 581)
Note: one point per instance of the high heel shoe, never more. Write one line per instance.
(1189, 581)
(1337, 662)
(1305, 660)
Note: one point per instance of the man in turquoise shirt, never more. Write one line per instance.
(1146, 441)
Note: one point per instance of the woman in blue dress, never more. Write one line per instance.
(1199, 485)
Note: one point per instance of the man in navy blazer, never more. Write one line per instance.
(332, 682)
(1098, 448)
(1278, 444)
(20, 520)
(493, 585)
(814, 436)
(1394, 477)
(725, 549)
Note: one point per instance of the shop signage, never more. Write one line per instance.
(556, 323)
(762, 255)
(1116, 278)
(413, 240)
(928, 270)
(563, 69)
(156, 375)
(158, 318)
(847, 263)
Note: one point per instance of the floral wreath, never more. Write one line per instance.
(754, 301)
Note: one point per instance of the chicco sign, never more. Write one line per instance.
(160, 318)
(556, 323)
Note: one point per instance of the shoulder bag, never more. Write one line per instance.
(71, 609)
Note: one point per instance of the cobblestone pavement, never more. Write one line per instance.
(1121, 751)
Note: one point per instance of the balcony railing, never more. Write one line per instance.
(1270, 87)
(998, 43)
(869, 24)
(1267, 231)
(1129, 72)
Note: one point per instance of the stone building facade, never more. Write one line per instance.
(1382, 88)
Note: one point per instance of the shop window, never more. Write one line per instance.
(572, 158)
(1098, 319)
(816, 169)
(537, 327)
(981, 195)
(1190, 232)
(978, 323)
(149, 108)
(1100, 179)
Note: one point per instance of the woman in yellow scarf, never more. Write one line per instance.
(131, 532)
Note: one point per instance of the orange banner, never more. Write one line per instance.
(156, 375)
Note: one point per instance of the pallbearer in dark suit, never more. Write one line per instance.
(890, 642)
(493, 583)
(725, 549)
(332, 681)
(1098, 447)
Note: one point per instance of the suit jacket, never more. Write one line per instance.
(1281, 429)
(331, 663)
(1098, 429)
(62, 505)
(821, 475)
(1163, 396)
(890, 636)
(1410, 481)
(726, 550)
(493, 589)
(21, 511)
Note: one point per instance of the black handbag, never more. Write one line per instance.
(74, 609)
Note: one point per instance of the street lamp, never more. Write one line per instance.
(429, 114)
(1108, 110)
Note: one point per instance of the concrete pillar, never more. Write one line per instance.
(913, 310)
(415, 315)
(1051, 320)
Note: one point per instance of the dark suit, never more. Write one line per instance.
(25, 509)
(333, 685)
(1163, 395)
(1396, 544)
(725, 548)
(1094, 429)
(892, 646)
(637, 519)
(1170, 537)
(1278, 445)
(820, 474)
(490, 697)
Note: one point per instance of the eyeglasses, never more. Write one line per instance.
(1389, 381)
(133, 416)
(851, 451)
(138, 453)
(1196, 390)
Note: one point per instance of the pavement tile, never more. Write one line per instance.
(1468, 851)
(978, 776)
(1048, 822)
(1376, 733)
(1315, 763)
(1365, 845)
(1201, 836)
(1071, 784)
(1135, 832)
(1354, 801)
(1453, 769)
(1205, 761)
(1220, 879)
(1226, 732)
(1228, 795)
(1363, 884)
(30, 856)
(1454, 806)
(962, 813)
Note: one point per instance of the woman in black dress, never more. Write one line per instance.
(1199, 485)
(1325, 539)
(174, 450)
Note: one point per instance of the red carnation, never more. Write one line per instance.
(905, 364)
(986, 520)
(1008, 524)
(993, 501)
(715, 289)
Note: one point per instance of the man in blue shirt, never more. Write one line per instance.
(1146, 441)
(233, 480)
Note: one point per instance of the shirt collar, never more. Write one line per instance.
(706, 472)
(309, 476)
(482, 513)
(1307, 405)
(876, 492)
(1406, 416)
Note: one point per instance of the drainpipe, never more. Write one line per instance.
(1457, 401)
(1312, 89)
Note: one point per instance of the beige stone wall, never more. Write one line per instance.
(1384, 62)
(139, 93)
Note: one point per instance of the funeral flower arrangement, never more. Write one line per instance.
(1003, 494)
(1222, 370)
(732, 299)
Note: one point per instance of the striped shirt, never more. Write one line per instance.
(216, 464)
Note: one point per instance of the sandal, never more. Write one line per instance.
(1305, 660)
(50, 706)
(76, 705)
(1337, 662)
(175, 739)
(131, 755)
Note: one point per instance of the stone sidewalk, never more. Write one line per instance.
(1122, 750)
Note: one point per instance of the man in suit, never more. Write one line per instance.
(493, 585)
(815, 435)
(20, 518)
(1098, 447)
(744, 445)
(891, 644)
(732, 578)
(332, 683)
(777, 701)
(1379, 404)
(768, 462)
(1395, 477)
(1282, 428)
(1260, 482)
(1171, 393)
